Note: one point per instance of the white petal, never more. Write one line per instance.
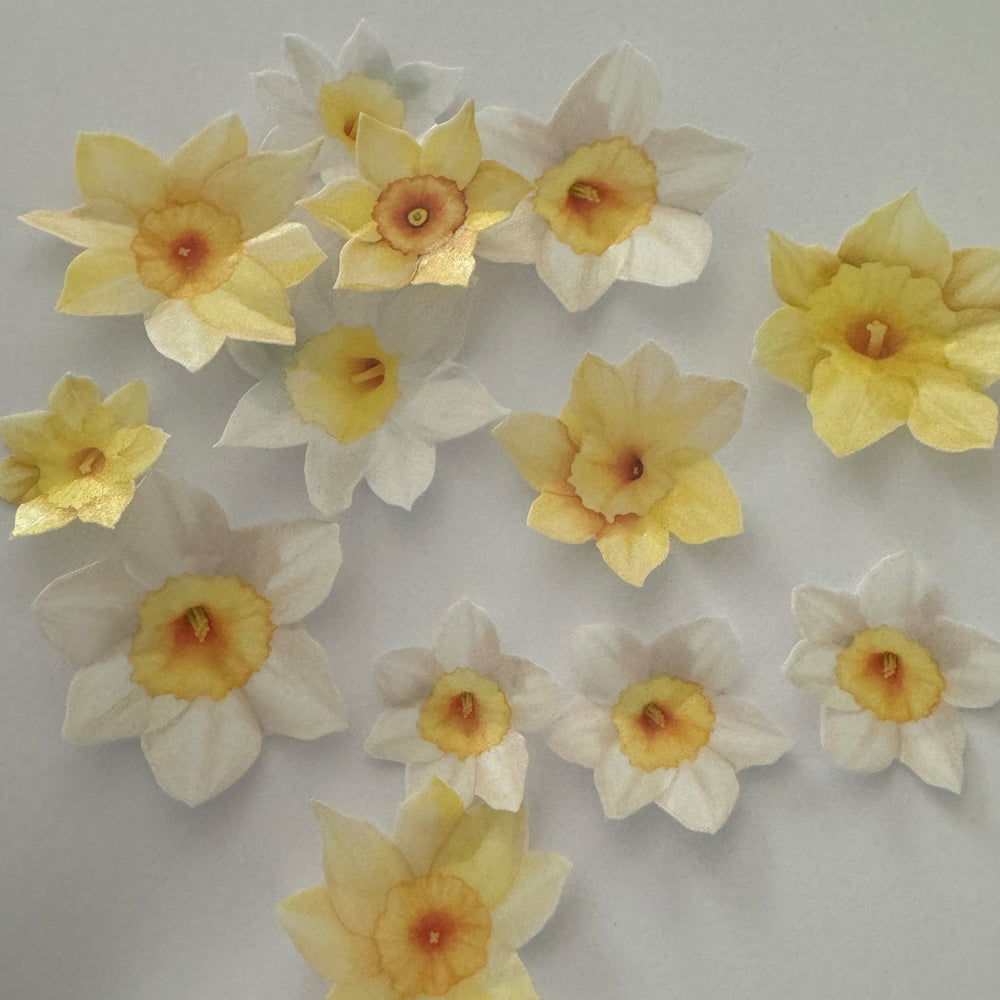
(401, 466)
(578, 280)
(363, 53)
(704, 651)
(583, 732)
(466, 637)
(532, 900)
(264, 418)
(532, 692)
(427, 324)
(811, 667)
(87, 613)
(282, 97)
(171, 528)
(427, 90)
(898, 592)
(293, 692)
(969, 660)
(519, 239)
(692, 167)
(827, 617)
(333, 470)
(703, 793)
(202, 751)
(618, 95)
(671, 250)
(743, 735)
(405, 676)
(257, 359)
(623, 788)
(291, 563)
(311, 67)
(934, 747)
(104, 704)
(856, 740)
(395, 737)
(459, 775)
(447, 408)
(500, 773)
(178, 334)
(520, 142)
(606, 659)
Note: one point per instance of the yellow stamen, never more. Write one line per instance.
(199, 621)
(468, 700)
(90, 460)
(580, 190)
(890, 662)
(877, 329)
(655, 714)
(417, 216)
(371, 370)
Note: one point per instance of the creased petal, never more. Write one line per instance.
(218, 143)
(405, 676)
(493, 193)
(953, 417)
(500, 773)
(252, 304)
(442, 409)
(898, 592)
(345, 205)
(702, 505)
(395, 736)
(452, 149)
(465, 637)
(520, 239)
(633, 547)
(532, 900)
(371, 267)
(459, 775)
(703, 793)
(825, 616)
(797, 271)
(743, 735)
(104, 704)
(105, 283)
(333, 470)
(385, 154)
(811, 665)
(671, 250)
(578, 280)
(625, 789)
(178, 334)
(531, 691)
(424, 822)
(103, 227)
(934, 747)
(288, 252)
(113, 168)
(974, 281)
(401, 466)
(583, 732)
(514, 138)
(969, 660)
(264, 418)
(605, 660)
(857, 741)
(540, 445)
(704, 651)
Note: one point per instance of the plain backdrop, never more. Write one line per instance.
(824, 884)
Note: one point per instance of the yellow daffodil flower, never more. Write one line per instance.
(414, 214)
(893, 329)
(628, 462)
(80, 459)
(199, 245)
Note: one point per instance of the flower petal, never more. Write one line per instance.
(703, 793)
(825, 616)
(634, 546)
(743, 735)
(564, 518)
(217, 144)
(520, 239)
(179, 335)
(291, 563)
(405, 676)
(493, 193)
(446, 408)
(531, 691)
(512, 137)
(465, 637)
(105, 283)
(974, 281)
(857, 741)
(288, 252)
(618, 95)
(975, 353)
(704, 651)
(113, 168)
(395, 736)
(811, 665)
(712, 409)
(507, 982)
(786, 348)
(371, 267)
(427, 90)
(129, 405)
(934, 748)
(532, 900)
(345, 205)
(385, 154)
(578, 280)
(583, 732)
(264, 418)
(452, 149)
(797, 270)
(103, 227)
(103, 703)
(953, 417)
(401, 466)
(900, 233)
(450, 263)
(702, 505)
(333, 470)
(459, 775)
(500, 773)
(898, 592)
(252, 305)
(606, 659)
(424, 821)
(540, 445)
(293, 693)
(625, 789)
(205, 749)
(311, 68)
(969, 660)
(671, 250)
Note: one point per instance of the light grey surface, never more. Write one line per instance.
(823, 884)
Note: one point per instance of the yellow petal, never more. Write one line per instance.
(217, 144)
(181, 336)
(452, 149)
(853, 405)
(385, 153)
(425, 820)
(508, 982)
(17, 479)
(129, 406)
(137, 449)
(797, 271)
(598, 400)
(72, 398)
(485, 850)
(345, 206)
(900, 233)
(702, 505)
(26, 434)
(251, 305)
(634, 546)
(104, 227)
(288, 252)
(105, 283)
(976, 353)
(39, 515)
(452, 263)
(540, 446)
(493, 193)
(371, 267)
(953, 417)
(785, 346)
(105, 509)
(113, 168)
(564, 518)
(974, 282)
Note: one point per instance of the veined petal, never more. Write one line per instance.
(448, 408)
(583, 732)
(406, 676)
(264, 418)
(797, 271)
(811, 666)
(952, 417)
(344, 205)
(532, 900)
(288, 252)
(934, 747)
(786, 348)
(857, 741)
(385, 154)
(701, 506)
(465, 637)
(900, 233)
(671, 250)
(113, 168)
(395, 736)
(372, 267)
(500, 773)
(206, 748)
(969, 660)
(217, 144)
(103, 703)
(178, 334)
(333, 470)
(605, 660)
(578, 280)
(974, 281)
(703, 793)
(252, 305)
(743, 735)
(898, 592)
(401, 466)
(493, 193)
(826, 616)
(540, 445)
(425, 820)
(452, 149)
(512, 137)
(704, 651)
(105, 283)
(564, 518)
(102, 227)
(625, 789)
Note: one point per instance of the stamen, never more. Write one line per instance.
(417, 216)
(580, 190)
(637, 469)
(201, 624)
(90, 460)
(655, 714)
(890, 664)
(369, 370)
(877, 330)
(468, 700)
(434, 937)
(183, 251)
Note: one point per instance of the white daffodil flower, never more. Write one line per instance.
(892, 673)
(655, 724)
(370, 398)
(615, 197)
(189, 639)
(458, 710)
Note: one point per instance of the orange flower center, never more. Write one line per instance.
(89, 461)
(875, 339)
(416, 214)
(466, 714)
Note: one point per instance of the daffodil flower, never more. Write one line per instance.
(656, 724)
(189, 640)
(324, 100)
(415, 212)
(458, 710)
(199, 245)
(80, 459)
(437, 911)
(615, 197)
(892, 329)
(629, 462)
(370, 397)
(892, 672)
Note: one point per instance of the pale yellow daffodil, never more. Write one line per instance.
(415, 212)
(80, 459)
(198, 244)
(628, 461)
(437, 911)
(894, 328)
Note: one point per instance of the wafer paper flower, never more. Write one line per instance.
(458, 710)
(80, 459)
(323, 100)
(370, 398)
(891, 672)
(190, 639)
(199, 245)
(628, 461)
(656, 725)
(438, 911)
(615, 197)
(894, 328)
(415, 211)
